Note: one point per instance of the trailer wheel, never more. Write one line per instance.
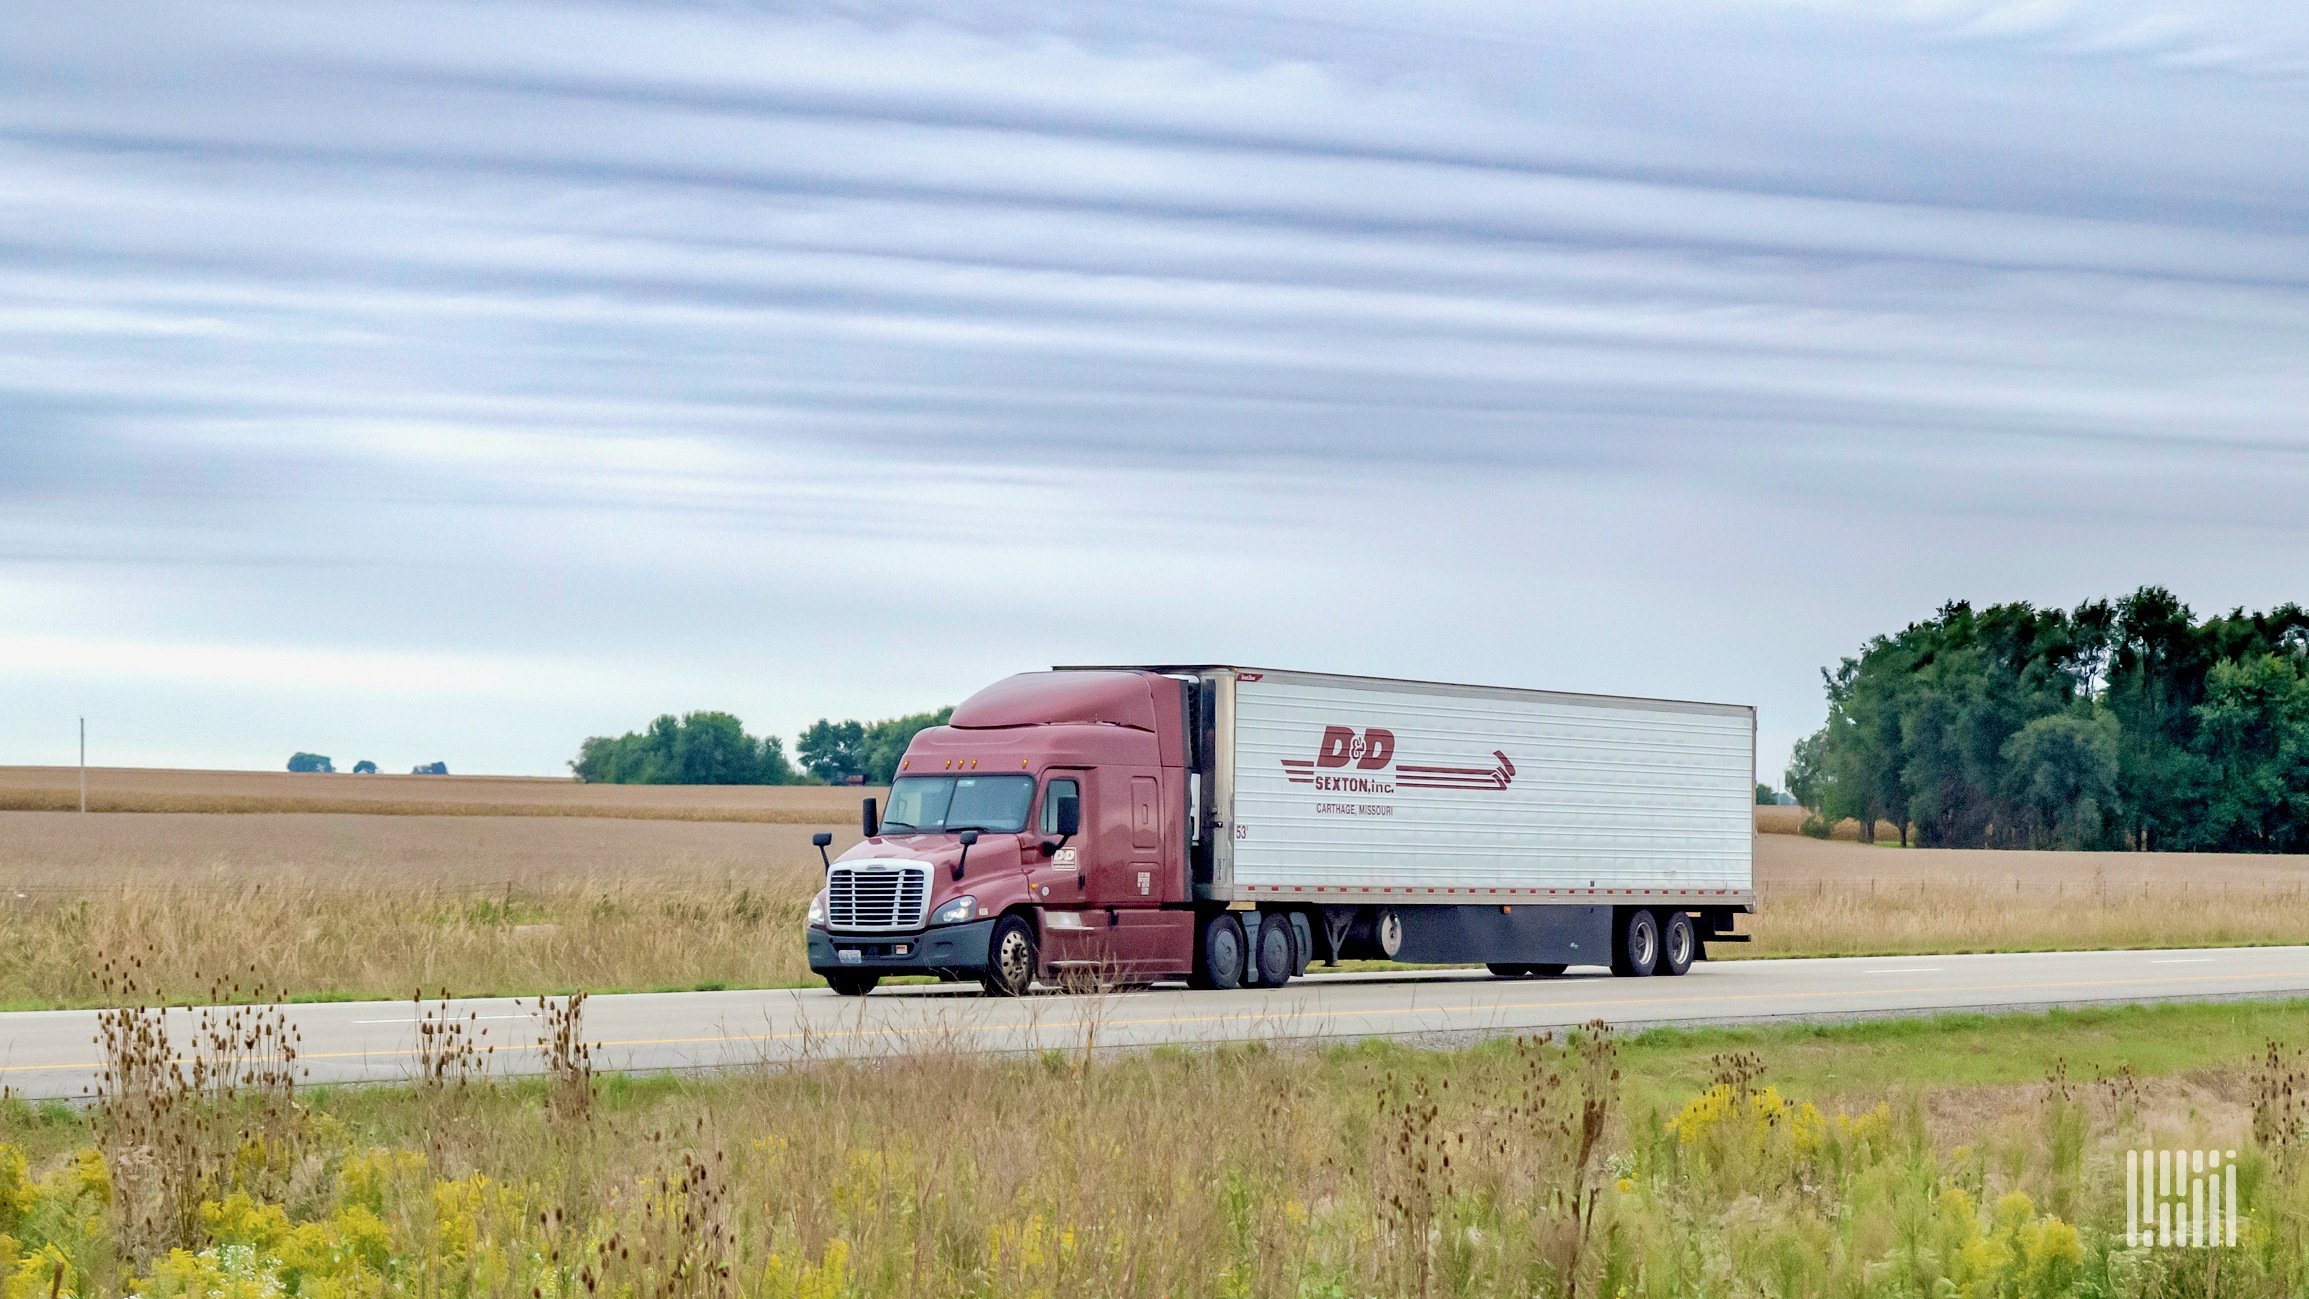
(1635, 948)
(1678, 943)
(1011, 959)
(1509, 971)
(852, 985)
(1278, 951)
(1219, 956)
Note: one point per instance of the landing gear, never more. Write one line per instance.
(1635, 948)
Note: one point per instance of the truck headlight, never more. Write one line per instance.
(818, 910)
(955, 911)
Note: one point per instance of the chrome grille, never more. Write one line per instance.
(877, 898)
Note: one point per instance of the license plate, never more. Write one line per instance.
(852, 956)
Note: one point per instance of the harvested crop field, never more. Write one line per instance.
(376, 905)
(132, 789)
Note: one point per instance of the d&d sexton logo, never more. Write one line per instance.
(1373, 750)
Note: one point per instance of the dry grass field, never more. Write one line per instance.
(1967, 1156)
(346, 905)
(132, 789)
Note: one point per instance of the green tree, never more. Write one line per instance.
(833, 751)
(310, 762)
(2252, 744)
(886, 742)
(2062, 771)
(701, 748)
(1807, 774)
(837, 751)
(1995, 727)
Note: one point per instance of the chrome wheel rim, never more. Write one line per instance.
(1645, 948)
(1013, 960)
(1680, 944)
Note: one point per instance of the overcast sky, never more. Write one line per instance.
(416, 382)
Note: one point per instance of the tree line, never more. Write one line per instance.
(2124, 724)
(712, 748)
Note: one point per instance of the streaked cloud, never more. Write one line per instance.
(803, 360)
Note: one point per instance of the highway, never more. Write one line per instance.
(53, 1053)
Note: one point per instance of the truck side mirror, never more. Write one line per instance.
(968, 838)
(1069, 817)
(872, 821)
(819, 842)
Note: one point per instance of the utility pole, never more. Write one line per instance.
(84, 766)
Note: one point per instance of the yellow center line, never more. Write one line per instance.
(1319, 1013)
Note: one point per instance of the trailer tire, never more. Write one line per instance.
(852, 985)
(1011, 959)
(1635, 944)
(1547, 969)
(1277, 952)
(1679, 943)
(1219, 954)
(1303, 936)
(1509, 971)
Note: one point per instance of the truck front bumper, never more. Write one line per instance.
(948, 949)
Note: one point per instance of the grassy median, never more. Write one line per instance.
(1958, 1157)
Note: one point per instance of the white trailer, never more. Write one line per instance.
(1530, 830)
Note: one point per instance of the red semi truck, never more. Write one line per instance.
(1227, 826)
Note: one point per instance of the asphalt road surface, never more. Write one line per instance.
(53, 1053)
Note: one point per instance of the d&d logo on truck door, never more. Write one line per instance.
(1373, 750)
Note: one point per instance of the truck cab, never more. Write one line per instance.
(1043, 832)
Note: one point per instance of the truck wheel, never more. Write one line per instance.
(1678, 943)
(1547, 969)
(1011, 959)
(1635, 949)
(852, 985)
(1303, 936)
(1278, 951)
(1509, 971)
(1219, 957)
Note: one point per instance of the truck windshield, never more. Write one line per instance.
(938, 804)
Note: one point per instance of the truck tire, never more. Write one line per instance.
(1011, 959)
(1303, 934)
(1278, 951)
(1679, 942)
(1219, 954)
(1547, 969)
(1635, 944)
(852, 985)
(1509, 971)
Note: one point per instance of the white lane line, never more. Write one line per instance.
(1911, 969)
(483, 1018)
(2185, 960)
